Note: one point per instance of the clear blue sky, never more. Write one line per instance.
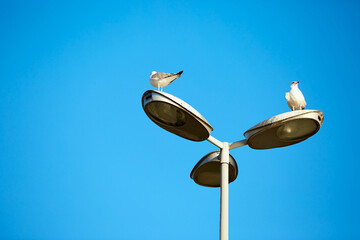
(79, 159)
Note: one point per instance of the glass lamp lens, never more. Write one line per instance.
(166, 114)
(209, 174)
(296, 129)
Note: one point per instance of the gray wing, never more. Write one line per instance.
(162, 75)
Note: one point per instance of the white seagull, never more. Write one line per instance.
(295, 99)
(161, 79)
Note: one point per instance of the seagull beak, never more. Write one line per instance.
(298, 82)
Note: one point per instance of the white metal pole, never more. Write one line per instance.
(224, 192)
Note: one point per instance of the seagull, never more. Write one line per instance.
(295, 99)
(161, 79)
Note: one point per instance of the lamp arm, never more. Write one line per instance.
(216, 142)
(237, 144)
(232, 145)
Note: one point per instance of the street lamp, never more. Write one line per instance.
(219, 168)
(284, 129)
(207, 171)
(175, 116)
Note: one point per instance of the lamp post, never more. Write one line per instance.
(219, 168)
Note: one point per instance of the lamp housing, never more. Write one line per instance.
(284, 129)
(207, 171)
(175, 115)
